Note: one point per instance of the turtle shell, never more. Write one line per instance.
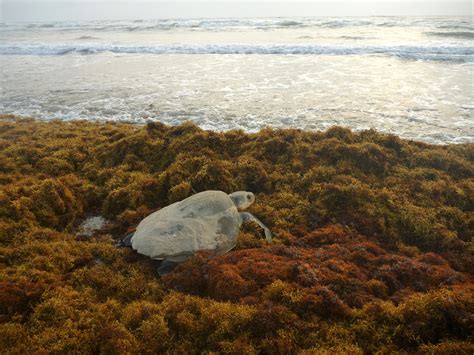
(208, 220)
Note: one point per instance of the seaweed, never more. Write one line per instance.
(372, 248)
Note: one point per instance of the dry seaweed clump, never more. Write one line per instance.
(372, 249)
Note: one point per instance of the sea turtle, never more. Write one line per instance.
(208, 220)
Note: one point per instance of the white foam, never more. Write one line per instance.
(91, 225)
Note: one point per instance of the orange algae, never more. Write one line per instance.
(372, 243)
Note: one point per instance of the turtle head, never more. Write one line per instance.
(242, 199)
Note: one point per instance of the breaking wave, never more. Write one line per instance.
(290, 24)
(237, 24)
(84, 38)
(439, 53)
(159, 25)
(458, 26)
(463, 35)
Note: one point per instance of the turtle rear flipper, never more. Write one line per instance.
(166, 267)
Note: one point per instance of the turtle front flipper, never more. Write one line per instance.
(250, 217)
(127, 240)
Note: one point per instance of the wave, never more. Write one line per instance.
(464, 35)
(236, 24)
(45, 25)
(457, 26)
(83, 38)
(160, 25)
(289, 24)
(356, 38)
(346, 23)
(440, 53)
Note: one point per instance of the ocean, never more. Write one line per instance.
(411, 76)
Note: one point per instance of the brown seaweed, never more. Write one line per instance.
(372, 243)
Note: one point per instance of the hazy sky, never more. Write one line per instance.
(57, 10)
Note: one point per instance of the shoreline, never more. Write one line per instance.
(145, 122)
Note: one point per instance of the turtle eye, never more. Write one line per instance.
(248, 197)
